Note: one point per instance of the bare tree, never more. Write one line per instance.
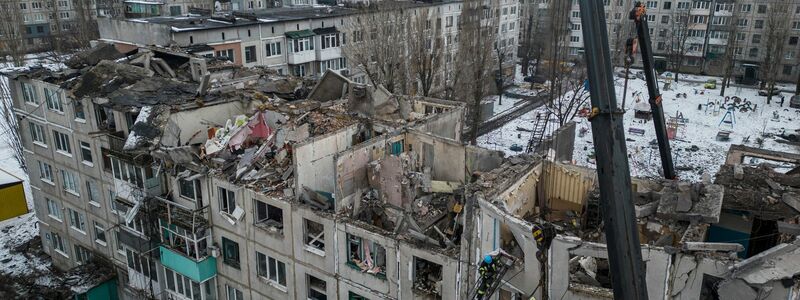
(9, 127)
(731, 45)
(566, 106)
(621, 29)
(475, 59)
(12, 40)
(426, 49)
(375, 48)
(776, 33)
(559, 28)
(533, 38)
(677, 40)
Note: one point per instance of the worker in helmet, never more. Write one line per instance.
(487, 270)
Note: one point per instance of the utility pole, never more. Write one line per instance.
(624, 251)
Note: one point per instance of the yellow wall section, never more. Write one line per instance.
(12, 201)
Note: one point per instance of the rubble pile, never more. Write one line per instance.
(760, 190)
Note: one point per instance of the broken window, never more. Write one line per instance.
(316, 288)
(269, 215)
(127, 172)
(586, 272)
(184, 241)
(141, 264)
(315, 234)
(190, 189)
(354, 296)
(230, 253)
(709, 289)
(427, 277)
(366, 255)
(227, 200)
(104, 118)
(82, 255)
(79, 112)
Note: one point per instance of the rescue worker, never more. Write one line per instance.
(487, 269)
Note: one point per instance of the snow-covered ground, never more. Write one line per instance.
(700, 130)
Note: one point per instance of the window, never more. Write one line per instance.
(70, 183)
(756, 39)
(225, 54)
(762, 9)
(759, 24)
(188, 288)
(94, 196)
(190, 189)
(358, 249)
(59, 244)
(82, 255)
(78, 107)
(668, 5)
(697, 19)
(62, 142)
(227, 200)
(448, 21)
(795, 25)
(23, 6)
(29, 93)
(753, 52)
(232, 293)
(300, 45)
(576, 14)
(330, 40)
(664, 19)
(746, 7)
(273, 48)
(76, 220)
(574, 39)
(230, 252)
(333, 64)
(127, 172)
(64, 15)
(86, 152)
(720, 20)
(652, 4)
(787, 70)
(142, 264)
(651, 18)
(683, 5)
(37, 134)
(316, 288)
(250, 54)
(99, 234)
(46, 172)
(271, 268)
(53, 99)
(700, 5)
(742, 22)
(741, 36)
(314, 235)
(269, 215)
(53, 209)
(789, 55)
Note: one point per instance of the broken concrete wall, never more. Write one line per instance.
(447, 287)
(562, 142)
(523, 277)
(482, 160)
(331, 86)
(192, 125)
(314, 160)
(565, 187)
(687, 275)
(737, 154)
(445, 157)
(448, 124)
(352, 168)
(657, 265)
(520, 198)
(131, 32)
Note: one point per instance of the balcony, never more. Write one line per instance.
(198, 271)
(301, 57)
(329, 53)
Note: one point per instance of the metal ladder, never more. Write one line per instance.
(496, 280)
(537, 135)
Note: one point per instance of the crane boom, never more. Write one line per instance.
(614, 178)
(639, 17)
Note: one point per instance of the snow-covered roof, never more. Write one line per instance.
(8, 178)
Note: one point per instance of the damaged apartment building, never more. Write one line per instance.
(193, 178)
(733, 238)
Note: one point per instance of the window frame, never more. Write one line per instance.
(231, 258)
(62, 142)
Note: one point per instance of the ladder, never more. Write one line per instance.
(537, 135)
(495, 281)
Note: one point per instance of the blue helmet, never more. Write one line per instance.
(487, 259)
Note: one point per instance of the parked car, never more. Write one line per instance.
(710, 84)
(795, 101)
(775, 92)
